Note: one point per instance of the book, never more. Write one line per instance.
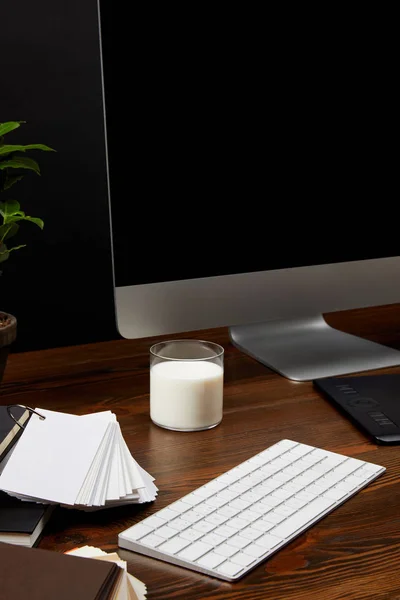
(10, 431)
(22, 522)
(129, 588)
(48, 575)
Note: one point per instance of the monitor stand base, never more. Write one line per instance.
(308, 348)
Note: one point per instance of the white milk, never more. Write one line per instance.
(186, 394)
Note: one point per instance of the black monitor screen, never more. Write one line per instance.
(223, 161)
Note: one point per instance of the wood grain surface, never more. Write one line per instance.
(352, 554)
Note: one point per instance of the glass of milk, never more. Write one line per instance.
(186, 384)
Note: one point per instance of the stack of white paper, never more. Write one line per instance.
(130, 588)
(76, 461)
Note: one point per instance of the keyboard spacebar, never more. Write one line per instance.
(302, 517)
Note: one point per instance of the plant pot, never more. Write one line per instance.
(8, 333)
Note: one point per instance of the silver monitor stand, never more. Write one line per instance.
(307, 348)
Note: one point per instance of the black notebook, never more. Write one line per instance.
(10, 431)
(22, 522)
(372, 402)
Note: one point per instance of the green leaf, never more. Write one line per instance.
(9, 148)
(8, 230)
(11, 213)
(9, 208)
(9, 182)
(5, 252)
(20, 162)
(35, 220)
(22, 217)
(9, 126)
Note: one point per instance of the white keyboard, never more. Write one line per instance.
(231, 524)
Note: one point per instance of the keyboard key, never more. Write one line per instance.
(240, 504)
(192, 499)
(216, 519)
(305, 496)
(300, 450)
(286, 444)
(213, 539)
(295, 502)
(281, 477)
(171, 512)
(249, 515)
(347, 467)
(192, 516)
(335, 494)
(346, 486)
(370, 468)
(291, 488)
(217, 485)
(230, 569)
(174, 546)
(202, 509)
(229, 511)
(227, 478)
(238, 541)
(228, 495)
(264, 525)
(204, 492)
(270, 501)
(250, 533)
(242, 559)
(138, 531)
(225, 531)
(194, 551)
(226, 550)
(254, 550)
(237, 523)
(302, 517)
(363, 472)
(179, 524)
(215, 502)
(203, 526)
(284, 510)
(274, 517)
(191, 534)
(280, 495)
(166, 532)
(211, 560)
(269, 541)
(251, 497)
(154, 522)
(152, 540)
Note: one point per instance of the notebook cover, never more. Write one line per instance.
(9, 430)
(371, 402)
(48, 575)
(17, 516)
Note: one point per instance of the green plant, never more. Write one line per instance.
(13, 162)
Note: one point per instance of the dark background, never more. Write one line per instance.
(60, 286)
(231, 148)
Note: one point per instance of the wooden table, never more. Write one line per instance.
(353, 553)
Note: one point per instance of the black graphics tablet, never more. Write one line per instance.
(372, 402)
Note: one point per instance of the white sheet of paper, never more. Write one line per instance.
(98, 496)
(99, 463)
(113, 484)
(53, 456)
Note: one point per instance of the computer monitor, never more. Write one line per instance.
(221, 214)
